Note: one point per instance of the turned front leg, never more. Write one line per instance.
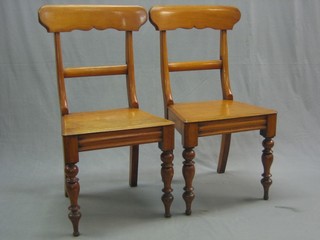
(167, 175)
(73, 188)
(267, 159)
(188, 171)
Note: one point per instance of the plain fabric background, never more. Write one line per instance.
(274, 59)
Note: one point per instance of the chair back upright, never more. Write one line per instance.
(221, 18)
(66, 18)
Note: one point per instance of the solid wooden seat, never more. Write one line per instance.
(84, 131)
(109, 121)
(197, 119)
(215, 111)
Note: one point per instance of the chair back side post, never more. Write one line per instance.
(165, 76)
(224, 71)
(60, 75)
(130, 76)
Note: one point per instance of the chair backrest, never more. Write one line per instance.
(220, 18)
(66, 18)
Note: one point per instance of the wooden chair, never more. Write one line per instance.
(84, 131)
(206, 118)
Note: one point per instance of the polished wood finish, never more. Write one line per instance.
(267, 159)
(65, 18)
(188, 171)
(194, 16)
(94, 71)
(219, 117)
(85, 131)
(194, 65)
(73, 188)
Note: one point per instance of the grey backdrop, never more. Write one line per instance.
(274, 62)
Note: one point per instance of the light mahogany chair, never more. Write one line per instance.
(84, 131)
(206, 118)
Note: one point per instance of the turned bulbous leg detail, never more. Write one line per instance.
(188, 171)
(267, 159)
(73, 188)
(167, 175)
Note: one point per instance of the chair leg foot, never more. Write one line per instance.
(188, 171)
(74, 217)
(167, 175)
(267, 159)
(73, 188)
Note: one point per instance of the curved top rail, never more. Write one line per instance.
(171, 17)
(65, 18)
